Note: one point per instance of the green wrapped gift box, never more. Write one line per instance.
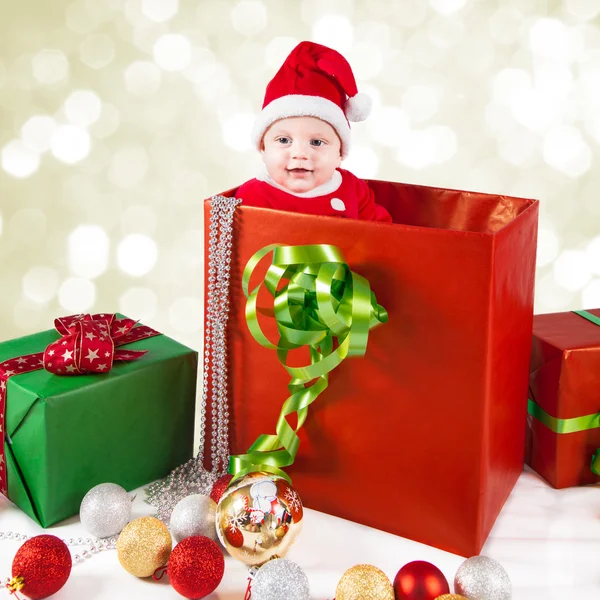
(66, 434)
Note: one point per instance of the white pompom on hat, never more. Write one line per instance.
(314, 81)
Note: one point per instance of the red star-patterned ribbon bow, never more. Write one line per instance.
(87, 345)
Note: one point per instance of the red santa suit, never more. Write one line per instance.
(344, 195)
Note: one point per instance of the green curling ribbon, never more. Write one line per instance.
(324, 306)
(595, 466)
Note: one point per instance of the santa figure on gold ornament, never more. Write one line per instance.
(265, 502)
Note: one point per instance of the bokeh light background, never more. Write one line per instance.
(118, 117)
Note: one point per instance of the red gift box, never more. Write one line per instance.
(423, 437)
(564, 424)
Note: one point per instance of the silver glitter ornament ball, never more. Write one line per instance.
(105, 510)
(280, 578)
(194, 515)
(482, 578)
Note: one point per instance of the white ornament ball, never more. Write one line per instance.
(280, 578)
(105, 510)
(482, 578)
(194, 515)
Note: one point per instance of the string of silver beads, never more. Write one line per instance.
(192, 477)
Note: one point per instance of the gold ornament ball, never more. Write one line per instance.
(258, 518)
(364, 582)
(143, 546)
(451, 597)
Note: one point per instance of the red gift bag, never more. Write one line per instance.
(424, 436)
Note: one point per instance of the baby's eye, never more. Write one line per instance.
(284, 140)
(316, 142)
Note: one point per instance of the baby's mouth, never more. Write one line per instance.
(299, 170)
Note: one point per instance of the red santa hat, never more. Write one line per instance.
(314, 81)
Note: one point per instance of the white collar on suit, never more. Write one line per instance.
(321, 190)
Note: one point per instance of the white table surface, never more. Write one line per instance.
(547, 540)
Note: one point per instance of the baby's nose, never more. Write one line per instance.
(299, 150)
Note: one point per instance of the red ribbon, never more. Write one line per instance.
(87, 345)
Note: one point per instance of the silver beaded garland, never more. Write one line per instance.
(194, 515)
(191, 477)
(482, 578)
(105, 510)
(280, 578)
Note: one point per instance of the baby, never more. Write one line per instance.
(303, 133)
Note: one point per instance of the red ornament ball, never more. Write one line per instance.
(420, 580)
(43, 565)
(219, 486)
(196, 566)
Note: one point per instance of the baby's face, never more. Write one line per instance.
(301, 153)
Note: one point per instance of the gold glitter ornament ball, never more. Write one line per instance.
(451, 597)
(364, 582)
(143, 546)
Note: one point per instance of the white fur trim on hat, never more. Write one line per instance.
(299, 105)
